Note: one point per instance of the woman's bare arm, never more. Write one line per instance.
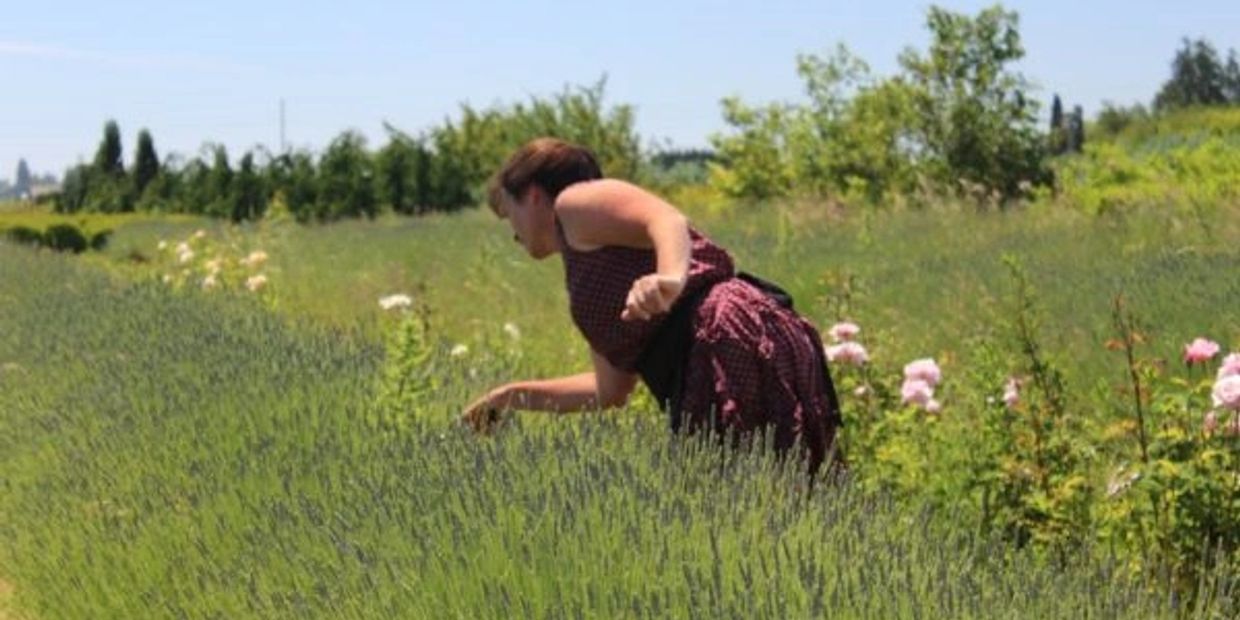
(604, 387)
(614, 212)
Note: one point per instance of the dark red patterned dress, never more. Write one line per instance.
(752, 362)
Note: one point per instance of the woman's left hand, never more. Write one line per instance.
(652, 295)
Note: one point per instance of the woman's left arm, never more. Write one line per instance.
(614, 212)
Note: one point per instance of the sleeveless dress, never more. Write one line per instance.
(753, 364)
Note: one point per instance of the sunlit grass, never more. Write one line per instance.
(193, 455)
(208, 454)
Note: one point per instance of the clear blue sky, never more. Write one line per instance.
(195, 72)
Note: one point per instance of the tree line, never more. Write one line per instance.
(954, 118)
(441, 169)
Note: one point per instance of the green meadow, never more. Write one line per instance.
(170, 451)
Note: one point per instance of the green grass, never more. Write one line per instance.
(921, 283)
(196, 456)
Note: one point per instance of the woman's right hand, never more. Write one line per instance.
(485, 413)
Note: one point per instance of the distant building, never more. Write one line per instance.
(40, 191)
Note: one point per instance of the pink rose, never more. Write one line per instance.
(917, 392)
(1227, 392)
(848, 353)
(1231, 366)
(1200, 350)
(844, 332)
(923, 370)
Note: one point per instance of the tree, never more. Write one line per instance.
(975, 122)
(1198, 77)
(22, 181)
(1056, 113)
(1058, 138)
(346, 178)
(73, 189)
(108, 156)
(146, 162)
(1076, 130)
(1231, 79)
(248, 198)
(219, 183)
(397, 166)
(1113, 118)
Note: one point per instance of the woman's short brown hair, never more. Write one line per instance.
(549, 163)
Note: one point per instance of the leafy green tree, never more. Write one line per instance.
(955, 115)
(1198, 77)
(249, 199)
(975, 121)
(1231, 79)
(1076, 130)
(402, 168)
(294, 176)
(754, 163)
(146, 162)
(73, 190)
(1112, 119)
(219, 184)
(195, 195)
(346, 179)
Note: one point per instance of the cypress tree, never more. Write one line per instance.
(145, 163)
(22, 180)
(108, 157)
(1058, 143)
(1076, 137)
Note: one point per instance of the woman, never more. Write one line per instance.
(655, 298)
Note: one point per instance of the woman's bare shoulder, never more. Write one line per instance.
(596, 192)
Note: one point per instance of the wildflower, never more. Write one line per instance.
(1210, 423)
(512, 330)
(199, 234)
(214, 265)
(848, 353)
(185, 257)
(255, 258)
(162, 245)
(1231, 366)
(933, 406)
(254, 283)
(182, 248)
(459, 350)
(844, 332)
(862, 391)
(399, 300)
(1200, 350)
(1011, 392)
(210, 282)
(166, 279)
(1227, 392)
(925, 370)
(917, 392)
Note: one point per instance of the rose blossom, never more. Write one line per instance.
(1200, 350)
(844, 332)
(925, 370)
